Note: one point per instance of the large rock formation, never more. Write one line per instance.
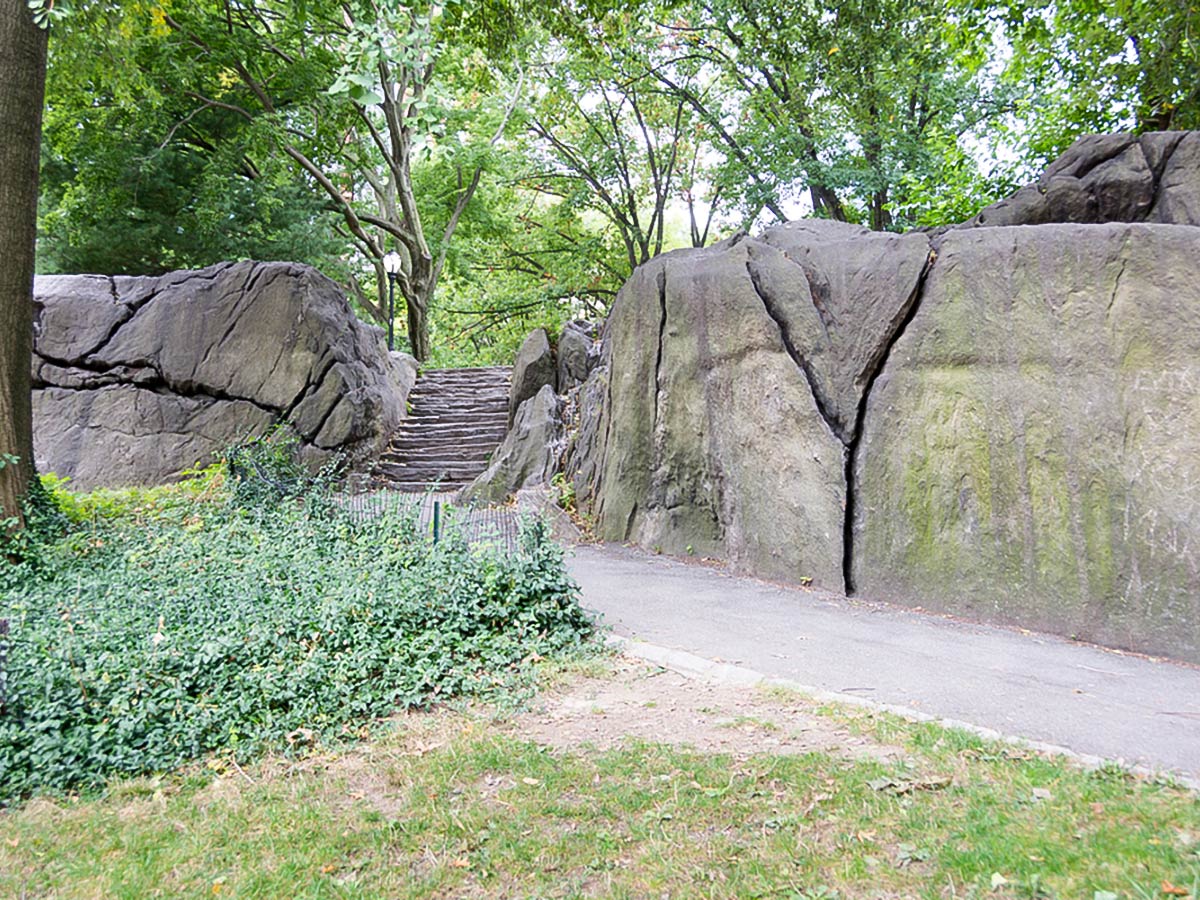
(1031, 450)
(735, 378)
(1111, 178)
(998, 421)
(137, 379)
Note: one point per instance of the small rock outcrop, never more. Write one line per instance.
(1101, 178)
(528, 455)
(532, 370)
(136, 379)
(577, 354)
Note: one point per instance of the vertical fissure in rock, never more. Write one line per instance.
(851, 456)
(1157, 173)
(835, 424)
(662, 328)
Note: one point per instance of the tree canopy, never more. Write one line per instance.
(522, 158)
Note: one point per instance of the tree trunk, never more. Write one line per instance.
(418, 326)
(23, 76)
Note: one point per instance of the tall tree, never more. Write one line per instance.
(365, 99)
(22, 73)
(611, 140)
(841, 101)
(1084, 66)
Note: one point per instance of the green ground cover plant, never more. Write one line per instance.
(178, 622)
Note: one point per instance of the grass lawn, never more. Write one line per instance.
(463, 803)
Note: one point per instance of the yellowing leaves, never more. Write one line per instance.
(158, 22)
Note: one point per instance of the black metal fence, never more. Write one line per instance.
(439, 514)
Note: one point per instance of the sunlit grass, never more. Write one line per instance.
(451, 804)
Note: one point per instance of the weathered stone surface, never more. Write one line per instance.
(1178, 201)
(532, 370)
(1000, 422)
(574, 348)
(1031, 451)
(734, 377)
(137, 379)
(123, 434)
(1110, 178)
(855, 289)
(583, 423)
(530, 451)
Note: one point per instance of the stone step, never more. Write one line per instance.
(463, 467)
(471, 409)
(438, 451)
(424, 442)
(457, 418)
(435, 420)
(490, 387)
(449, 429)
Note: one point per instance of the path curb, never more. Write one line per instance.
(692, 666)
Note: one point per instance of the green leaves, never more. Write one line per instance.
(141, 644)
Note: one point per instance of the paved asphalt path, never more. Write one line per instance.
(1096, 702)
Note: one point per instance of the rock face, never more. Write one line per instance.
(995, 421)
(1111, 178)
(137, 379)
(532, 370)
(575, 361)
(1031, 451)
(735, 377)
(529, 453)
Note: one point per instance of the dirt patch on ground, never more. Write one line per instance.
(641, 701)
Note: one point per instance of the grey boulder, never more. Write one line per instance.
(1152, 177)
(138, 379)
(574, 355)
(533, 369)
(529, 453)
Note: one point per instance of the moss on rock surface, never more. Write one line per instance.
(1031, 451)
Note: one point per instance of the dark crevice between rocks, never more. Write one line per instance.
(662, 328)
(835, 424)
(312, 385)
(161, 388)
(321, 424)
(1158, 171)
(629, 522)
(880, 363)
(1157, 174)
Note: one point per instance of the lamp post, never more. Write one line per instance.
(391, 265)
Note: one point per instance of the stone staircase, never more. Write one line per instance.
(457, 418)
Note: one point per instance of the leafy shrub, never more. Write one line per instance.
(135, 503)
(199, 626)
(267, 470)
